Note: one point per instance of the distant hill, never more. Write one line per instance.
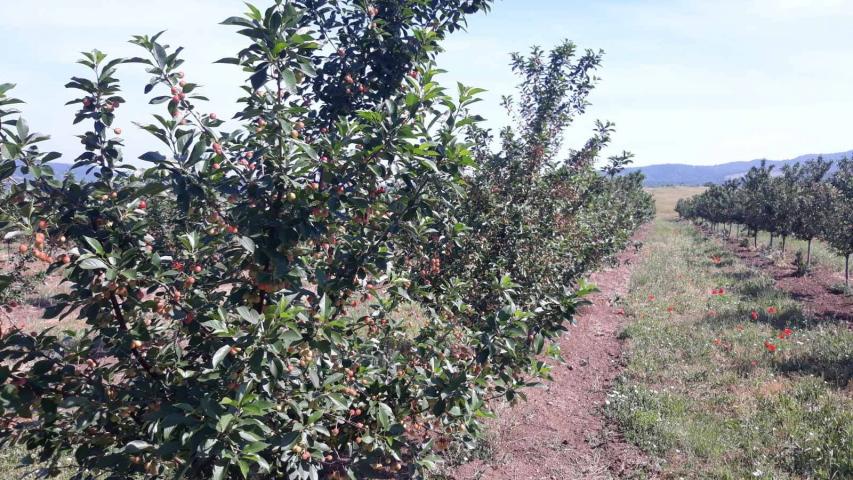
(60, 169)
(681, 174)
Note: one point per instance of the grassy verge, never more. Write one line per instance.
(702, 390)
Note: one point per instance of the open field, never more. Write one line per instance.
(704, 393)
(667, 197)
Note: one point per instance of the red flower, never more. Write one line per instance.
(651, 298)
(772, 310)
(717, 341)
(754, 315)
(670, 309)
(769, 346)
(621, 311)
(785, 333)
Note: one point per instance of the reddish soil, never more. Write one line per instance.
(813, 291)
(560, 432)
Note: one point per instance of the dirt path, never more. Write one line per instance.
(560, 433)
(812, 291)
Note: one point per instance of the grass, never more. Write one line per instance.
(821, 253)
(702, 392)
(12, 468)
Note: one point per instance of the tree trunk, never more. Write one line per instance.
(809, 253)
(784, 239)
(771, 239)
(847, 270)
(755, 239)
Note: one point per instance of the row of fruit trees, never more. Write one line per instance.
(807, 200)
(333, 284)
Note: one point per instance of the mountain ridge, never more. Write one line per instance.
(692, 175)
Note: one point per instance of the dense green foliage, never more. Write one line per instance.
(243, 293)
(804, 201)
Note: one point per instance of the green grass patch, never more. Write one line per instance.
(702, 390)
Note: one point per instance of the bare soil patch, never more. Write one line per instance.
(560, 432)
(813, 290)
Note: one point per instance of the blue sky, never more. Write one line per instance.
(686, 81)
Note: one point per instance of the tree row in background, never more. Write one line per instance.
(804, 200)
(336, 287)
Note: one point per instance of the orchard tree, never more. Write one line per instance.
(757, 200)
(232, 348)
(811, 203)
(839, 231)
(242, 293)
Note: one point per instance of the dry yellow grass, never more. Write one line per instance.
(667, 197)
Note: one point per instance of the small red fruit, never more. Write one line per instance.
(213, 116)
(142, 205)
(22, 248)
(117, 131)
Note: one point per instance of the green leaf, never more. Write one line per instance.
(23, 129)
(219, 472)
(247, 243)
(137, 446)
(255, 447)
(221, 354)
(384, 414)
(153, 157)
(160, 55)
(93, 264)
(95, 245)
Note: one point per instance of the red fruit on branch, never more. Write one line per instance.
(142, 205)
